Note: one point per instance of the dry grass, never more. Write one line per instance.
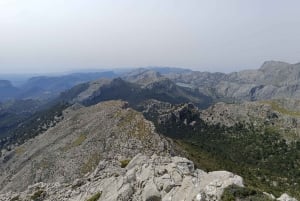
(77, 142)
(20, 150)
(277, 107)
(90, 164)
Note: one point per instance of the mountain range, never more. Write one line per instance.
(273, 80)
(153, 134)
(47, 87)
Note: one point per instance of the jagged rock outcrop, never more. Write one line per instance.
(106, 131)
(145, 178)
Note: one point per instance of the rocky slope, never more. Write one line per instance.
(74, 147)
(272, 81)
(275, 115)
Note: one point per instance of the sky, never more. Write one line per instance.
(42, 36)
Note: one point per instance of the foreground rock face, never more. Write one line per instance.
(146, 178)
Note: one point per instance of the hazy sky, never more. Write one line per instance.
(213, 35)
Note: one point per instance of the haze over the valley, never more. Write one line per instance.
(58, 36)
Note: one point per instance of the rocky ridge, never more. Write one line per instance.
(74, 147)
(144, 178)
(276, 115)
(273, 80)
(273, 114)
(147, 178)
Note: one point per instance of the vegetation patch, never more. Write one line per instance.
(233, 193)
(79, 140)
(95, 197)
(124, 163)
(20, 150)
(127, 118)
(277, 107)
(261, 156)
(38, 195)
(133, 122)
(90, 164)
(15, 198)
(44, 164)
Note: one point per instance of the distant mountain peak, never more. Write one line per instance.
(269, 65)
(143, 76)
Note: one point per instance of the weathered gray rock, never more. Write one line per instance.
(273, 80)
(145, 178)
(150, 192)
(277, 114)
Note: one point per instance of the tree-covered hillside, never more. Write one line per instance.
(262, 157)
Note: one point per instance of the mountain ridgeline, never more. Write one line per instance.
(273, 80)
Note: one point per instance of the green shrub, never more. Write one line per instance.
(235, 192)
(15, 198)
(37, 195)
(124, 163)
(95, 197)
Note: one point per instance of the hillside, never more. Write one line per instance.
(14, 112)
(161, 89)
(48, 87)
(273, 80)
(225, 136)
(74, 147)
(7, 90)
(110, 152)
